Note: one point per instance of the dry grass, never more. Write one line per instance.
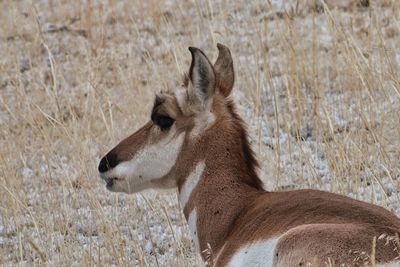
(319, 90)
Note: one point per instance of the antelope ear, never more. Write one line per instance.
(201, 75)
(224, 70)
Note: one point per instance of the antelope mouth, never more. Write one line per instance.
(110, 182)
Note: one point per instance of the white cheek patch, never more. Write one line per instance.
(191, 182)
(260, 253)
(192, 222)
(151, 162)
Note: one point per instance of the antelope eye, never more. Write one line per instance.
(164, 122)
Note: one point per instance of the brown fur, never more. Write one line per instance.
(164, 104)
(234, 210)
(224, 69)
(315, 224)
(228, 177)
(124, 151)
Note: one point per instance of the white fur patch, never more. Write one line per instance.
(150, 163)
(192, 222)
(181, 96)
(203, 119)
(191, 181)
(260, 253)
(201, 122)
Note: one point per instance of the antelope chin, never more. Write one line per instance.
(123, 184)
(110, 181)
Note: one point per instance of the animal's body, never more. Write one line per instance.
(196, 142)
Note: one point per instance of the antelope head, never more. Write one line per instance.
(158, 154)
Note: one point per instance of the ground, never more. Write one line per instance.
(317, 83)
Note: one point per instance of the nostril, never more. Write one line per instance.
(103, 166)
(108, 162)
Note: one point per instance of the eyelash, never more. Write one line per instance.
(164, 122)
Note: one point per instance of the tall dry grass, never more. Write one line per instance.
(318, 85)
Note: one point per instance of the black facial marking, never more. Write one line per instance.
(158, 101)
(108, 162)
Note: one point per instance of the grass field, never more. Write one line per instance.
(317, 83)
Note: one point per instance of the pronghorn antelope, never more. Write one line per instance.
(195, 141)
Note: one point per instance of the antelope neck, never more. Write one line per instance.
(215, 192)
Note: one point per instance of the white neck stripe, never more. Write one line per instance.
(191, 181)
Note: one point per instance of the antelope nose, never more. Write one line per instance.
(108, 162)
